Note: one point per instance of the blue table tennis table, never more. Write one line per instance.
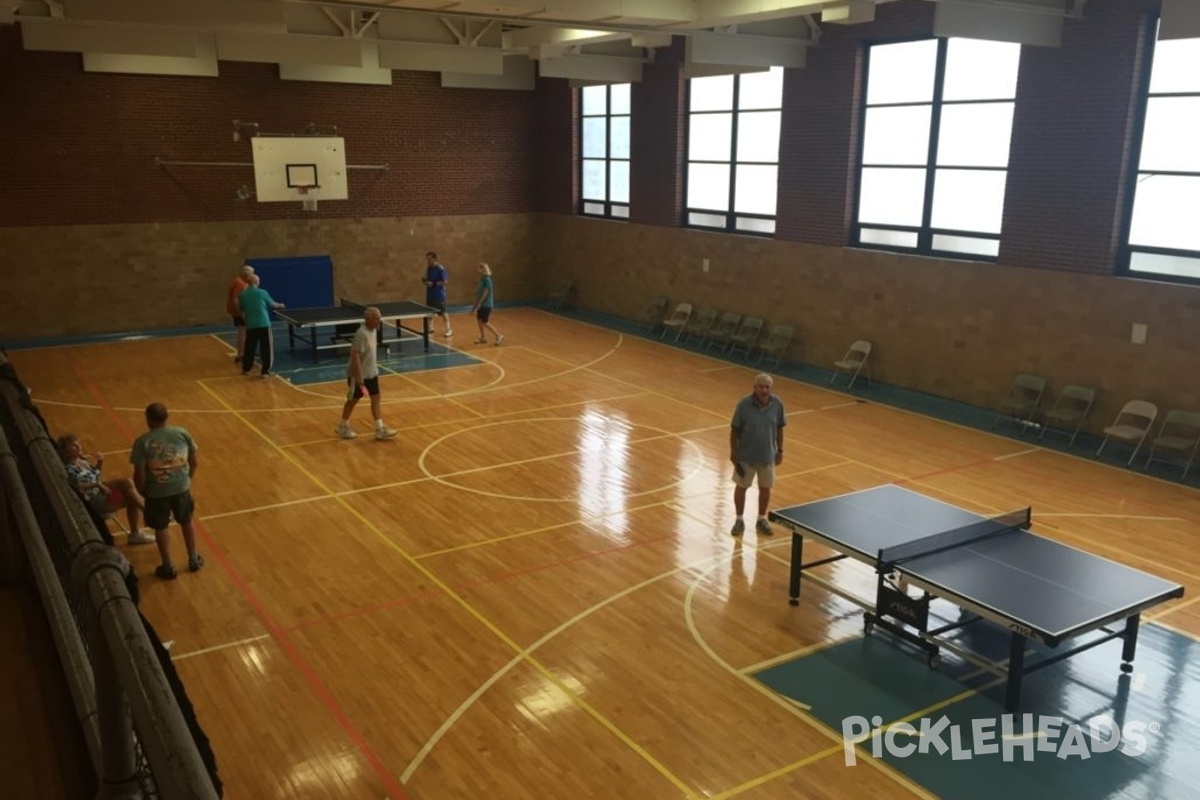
(340, 322)
(992, 568)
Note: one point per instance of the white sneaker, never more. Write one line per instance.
(384, 433)
(499, 340)
(448, 332)
(140, 537)
(343, 430)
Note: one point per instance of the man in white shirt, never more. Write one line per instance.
(362, 377)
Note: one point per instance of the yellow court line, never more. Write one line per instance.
(521, 653)
(586, 520)
(217, 647)
(690, 619)
(809, 650)
(796, 708)
(754, 783)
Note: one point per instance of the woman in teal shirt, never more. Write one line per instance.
(484, 301)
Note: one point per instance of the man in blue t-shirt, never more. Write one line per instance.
(435, 281)
(756, 448)
(256, 306)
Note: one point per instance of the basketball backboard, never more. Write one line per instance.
(299, 168)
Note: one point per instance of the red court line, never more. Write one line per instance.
(392, 786)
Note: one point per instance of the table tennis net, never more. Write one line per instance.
(956, 537)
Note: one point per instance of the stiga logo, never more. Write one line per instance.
(1053, 736)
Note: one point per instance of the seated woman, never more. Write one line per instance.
(104, 497)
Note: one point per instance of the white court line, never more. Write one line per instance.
(217, 647)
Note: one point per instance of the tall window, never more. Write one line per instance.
(1164, 228)
(936, 132)
(604, 135)
(733, 151)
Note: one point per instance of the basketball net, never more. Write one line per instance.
(307, 203)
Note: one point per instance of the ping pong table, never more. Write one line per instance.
(992, 568)
(341, 321)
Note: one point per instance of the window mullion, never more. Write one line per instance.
(925, 236)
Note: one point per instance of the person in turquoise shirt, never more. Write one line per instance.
(256, 306)
(485, 300)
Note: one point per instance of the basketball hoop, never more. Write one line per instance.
(307, 203)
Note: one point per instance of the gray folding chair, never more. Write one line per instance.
(1022, 401)
(698, 327)
(747, 334)
(652, 314)
(726, 327)
(1180, 432)
(1069, 412)
(1132, 425)
(677, 321)
(776, 344)
(854, 362)
(562, 296)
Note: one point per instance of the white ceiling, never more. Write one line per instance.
(503, 44)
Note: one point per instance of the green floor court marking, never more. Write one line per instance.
(1155, 710)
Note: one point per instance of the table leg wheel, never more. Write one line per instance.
(935, 661)
(1127, 667)
(868, 625)
(793, 601)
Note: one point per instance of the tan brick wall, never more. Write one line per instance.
(86, 279)
(954, 329)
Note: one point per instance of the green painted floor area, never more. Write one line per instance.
(298, 367)
(857, 685)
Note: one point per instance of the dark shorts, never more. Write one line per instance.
(159, 510)
(437, 305)
(371, 384)
(239, 321)
(484, 314)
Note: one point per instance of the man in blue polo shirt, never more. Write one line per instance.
(756, 448)
(435, 281)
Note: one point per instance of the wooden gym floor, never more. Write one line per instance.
(531, 592)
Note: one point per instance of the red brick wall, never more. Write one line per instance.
(1072, 133)
(656, 138)
(556, 143)
(82, 145)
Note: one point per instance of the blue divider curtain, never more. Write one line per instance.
(297, 282)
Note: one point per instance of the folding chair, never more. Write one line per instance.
(747, 334)
(1024, 397)
(1180, 432)
(677, 321)
(652, 314)
(723, 330)
(1132, 424)
(1069, 412)
(559, 299)
(854, 362)
(698, 327)
(776, 344)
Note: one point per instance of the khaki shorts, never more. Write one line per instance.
(764, 472)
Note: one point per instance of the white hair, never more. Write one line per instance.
(763, 377)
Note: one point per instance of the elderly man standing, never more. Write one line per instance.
(756, 448)
(256, 306)
(362, 378)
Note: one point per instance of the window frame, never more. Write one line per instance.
(610, 207)
(732, 215)
(926, 233)
(1126, 250)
